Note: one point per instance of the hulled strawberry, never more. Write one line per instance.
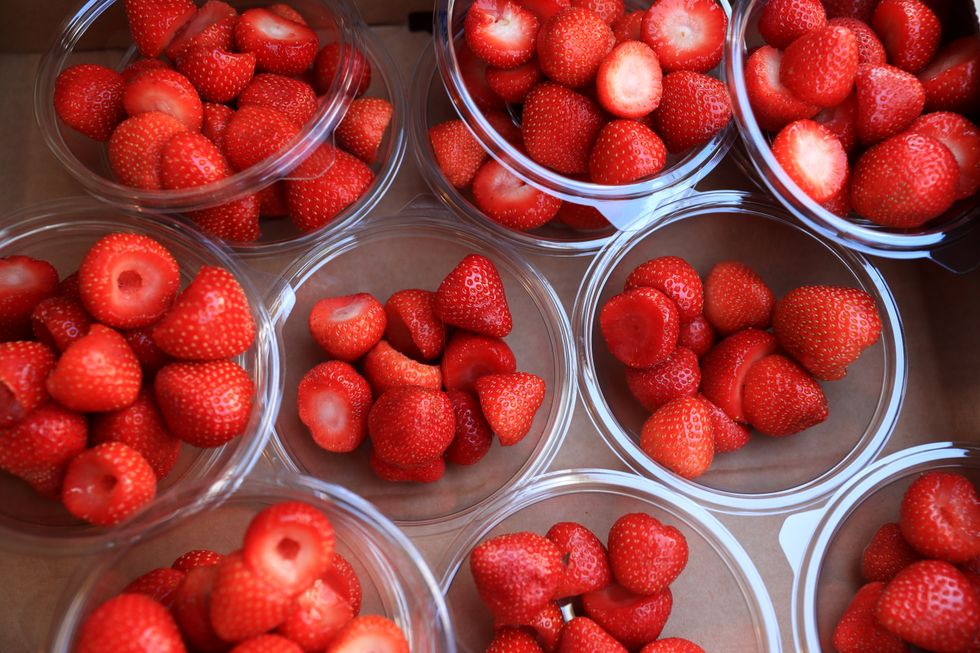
(333, 401)
(674, 277)
(962, 138)
(633, 619)
(697, 335)
(325, 184)
(319, 614)
(640, 327)
(501, 32)
(686, 34)
(458, 154)
(513, 640)
(680, 436)
(333, 58)
(583, 634)
(192, 608)
(39, 447)
(886, 554)
(772, 103)
(952, 80)
(629, 80)
(88, 98)
(292, 98)
(196, 558)
(218, 74)
(59, 321)
(24, 366)
(385, 368)
(858, 630)
(784, 21)
(257, 132)
(940, 517)
(508, 200)
(242, 604)
(473, 436)
(724, 368)
(289, 545)
(469, 356)
(909, 30)
(135, 147)
(107, 484)
(153, 23)
(516, 575)
(205, 404)
(584, 558)
(870, 48)
(780, 398)
(411, 426)
(165, 91)
(677, 376)
(509, 402)
(819, 67)
(646, 555)
(24, 282)
(159, 584)
(212, 25)
(412, 325)
(813, 157)
(429, 472)
(363, 127)
(513, 84)
(729, 434)
(346, 327)
(279, 44)
(888, 101)
(370, 631)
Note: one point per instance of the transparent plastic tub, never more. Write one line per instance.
(61, 232)
(720, 578)
(97, 33)
(952, 240)
(824, 546)
(395, 580)
(769, 475)
(416, 249)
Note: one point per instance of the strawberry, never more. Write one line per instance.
(411, 426)
(559, 127)
(23, 368)
(780, 398)
(629, 80)
(625, 151)
(267, 644)
(582, 635)
(729, 435)
(840, 204)
(640, 327)
(609, 11)
(508, 200)
(581, 217)
(59, 321)
(888, 101)
(140, 426)
(242, 604)
(473, 71)
(516, 575)
(680, 436)
(429, 472)
(363, 128)
(513, 640)
(255, 133)
(784, 21)
(571, 45)
(279, 44)
(545, 9)
(317, 616)
(697, 335)
(813, 157)
(694, 108)
(910, 32)
(629, 27)
(150, 356)
(686, 34)
(509, 402)
(24, 282)
(646, 555)
(140, 66)
(97, 373)
(724, 368)
(213, 25)
(190, 159)
(859, 632)
(385, 367)
(631, 618)
(940, 517)
(952, 79)
(192, 606)
(860, 9)
(129, 623)
(501, 32)
(547, 625)
(736, 298)
(88, 98)
(333, 401)
(216, 119)
(870, 48)
(904, 181)
(469, 356)
(672, 645)
(292, 98)
(825, 328)
(962, 137)
(413, 327)
(289, 545)
(236, 221)
(135, 147)
(674, 277)
(458, 154)
(473, 436)
(819, 67)
(324, 185)
(218, 74)
(772, 103)
(153, 23)
(886, 554)
(39, 447)
(930, 604)
(584, 560)
(348, 326)
(196, 558)
(205, 404)
(677, 376)
(513, 84)
(369, 633)
(472, 297)
(272, 201)
(330, 59)
(159, 584)
(166, 91)
(107, 484)
(842, 123)
(67, 287)
(288, 12)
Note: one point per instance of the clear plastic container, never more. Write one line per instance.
(98, 33)
(416, 249)
(952, 240)
(769, 475)
(394, 577)
(824, 546)
(61, 232)
(720, 577)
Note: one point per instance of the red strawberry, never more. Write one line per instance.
(582, 635)
(458, 154)
(59, 321)
(473, 437)
(347, 327)
(870, 48)
(813, 157)
(825, 328)
(547, 625)
(97, 373)
(330, 59)
(952, 79)
(629, 80)
(197, 558)
(140, 426)
(559, 127)
(333, 401)
(88, 98)
(289, 545)
(860, 9)
(212, 26)
(205, 404)
(859, 632)
(930, 604)
(842, 123)
(317, 616)
(608, 10)
(513, 84)
(411, 426)
(129, 623)
(159, 584)
(888, 100)
(631, 618)
(694, 108)
(724, 368)
(508, 200)
(473, 72)
(581, 217)
(472, 297)
(279, 44)
(729, 435)
(773, 104)
(135, 147)
(962, 137)
(255, 133)
(429, 472)
(509, 402)
(516, 575)
(216, 119)
(572, 44)
(819, 67)
(267, 644)
(166, 91)
(272, 201)
(584, 560)
(512, 640)
(153, 23)
(501, 32)
(24, 366)
(780, 398)
(106, 484)
(218, 74)
(363, 128)
(324, 185)
(140, 66)
(840, 204)
(629, 27)
(680, 436)
(39, 447)
(242, 604)
(236, 221)
(686, 34)
(385, 367)
(625, 151)
(369, 633)
(736, 298)
(646, 555)
(294, 99)
(672, 645)
(190, 159)
(288, 12)
(469, 356)
(910, 32)
(545, 9)
(413, 327)
(677, 376)
(640, 327)
(940, 517)
(784, 21)
(697, 335)
(24, 282)
(192, 606)
(886, 554)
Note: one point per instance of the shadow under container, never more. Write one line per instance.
(98, 33)
(61, 232)
(769, 475)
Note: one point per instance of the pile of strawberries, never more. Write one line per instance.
(851, 129)
(105, 374)
(243, 89)
(285, 591)
(603, 95)
(922, 575)
(623, 598)
(438, 379)
(664, 325)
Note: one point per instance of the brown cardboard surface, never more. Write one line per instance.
(940, 313)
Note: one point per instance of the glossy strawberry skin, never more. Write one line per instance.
(279, 45)
(680, 436)
(88, 496)
(510, 402)
(347, 327)
(473, 436)
(24, 366)
(328, 182)
(159, 584)
(363, 128)
(501, 32)
(205, 404)
(625, 151)
(952, 80)
(888, 101)
(736, 298)
(472, 297)
(909, 30)
(369, 631)
(633, 619)
(457, 152)
(858, 631)
(294, 99)
(677, 376)
(59, 321)
(27, 282)
(784, 21)
(571, 45)
(584, 559)
(724, 368)
(516, 575)
(39, 447)
(582, 635)
(693, 109)
(126, 624)
(886, 554)
(468, 356)
(135, 146)
(140, 426)
(940, 517)
(819, 67)
(640, 327)
(646, 555)
(772, 103)
(242, 605)
(411, 426)
(674, 277)
(697, 335)
(88, 98)
(385, 368)
(559, 127)
(97, 373)
(780, 398)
